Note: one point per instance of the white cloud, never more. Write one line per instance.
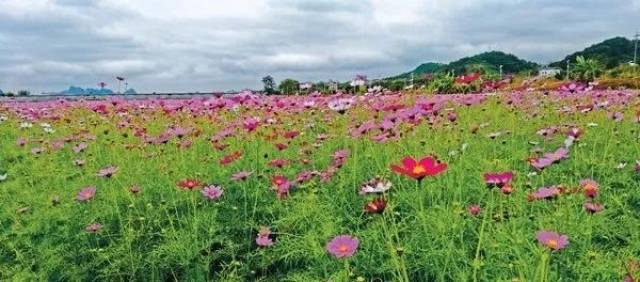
(168, 45)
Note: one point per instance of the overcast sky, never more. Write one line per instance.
(205, 45)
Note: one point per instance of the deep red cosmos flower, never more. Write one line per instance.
(376, 205)
(230, 158)
(189, 184)
(427, 166)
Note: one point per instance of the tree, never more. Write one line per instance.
(586, 69)
(269, 84)
(24, 93)
(289, 86)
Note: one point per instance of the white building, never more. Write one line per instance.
(548, 72)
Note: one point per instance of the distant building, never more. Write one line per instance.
(333, 85)
(547, 71)
(359, 80)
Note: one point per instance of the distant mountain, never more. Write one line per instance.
(611, 53)
(490, 61)
(487, 61)
(74, 90)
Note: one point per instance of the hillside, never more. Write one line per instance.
(611, 53)
(490, 61)
(420, 70)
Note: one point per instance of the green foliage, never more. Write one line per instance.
(442, 83)
(289, 86)
(586, 69)
(24, 93)
(269, 84)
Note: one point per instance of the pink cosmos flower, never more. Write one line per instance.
(212, 192)
(251, 124)
(263, 239)
(94, 228)
(593, 207)
(281, 185)
(343, 246)
(546, 193)
(552, 240)
(107, 172)
(241, 175)
(86, 194)
(79, 148)
(474, 210)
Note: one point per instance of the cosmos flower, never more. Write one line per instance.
(279, 163)
(427, 166)
(552, 240)
(251, 124)
(230, 158)
(86, 194)
(546, 193)
(376, 185)
(135, 189)
(341, 105)
(3, 176)
(590, 187)
(263, 239)
(549, 158)
(94, 228)
(189, 184)
(498, 179)
(212, 192)
(281, 185)
(78, 162)
(241, 175)
(474, 210)
(107, 172)
(375, 206)
(21, 142)
(591, 207)
(343, 246)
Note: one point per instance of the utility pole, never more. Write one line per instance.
(635, 52)
(501, 72)
(568, 69)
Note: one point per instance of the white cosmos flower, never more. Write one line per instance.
(376, 185)
(3, 177)
(26, 125)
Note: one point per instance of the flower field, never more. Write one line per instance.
(520, 186)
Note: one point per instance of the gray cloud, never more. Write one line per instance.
(164, 45)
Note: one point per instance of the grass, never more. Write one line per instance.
(425, 233)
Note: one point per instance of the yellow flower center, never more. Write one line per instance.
(419, 169)
(552, 244)
(343, 248)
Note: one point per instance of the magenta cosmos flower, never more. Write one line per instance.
(343, 246)
(552, 240)
(86, 194)
(241, 175)
(212, 192)
(592, 208)
(498, 178)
